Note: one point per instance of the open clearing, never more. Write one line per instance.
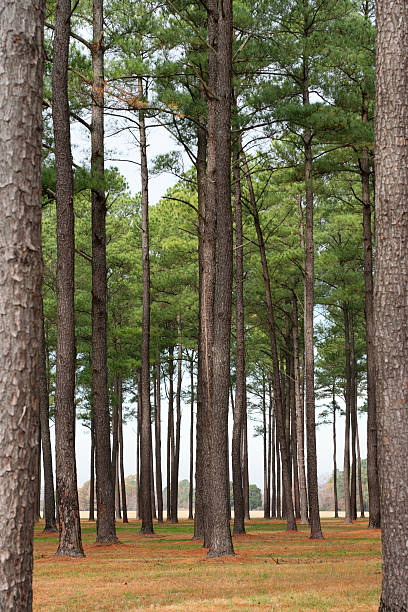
(272, 570)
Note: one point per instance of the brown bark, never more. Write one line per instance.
(336, 502)
(300, 418)
(205, 229)
(146, 432)
(268, 505)
(360, 484)
(175, 473)
(68, 509)
(265, 448)
(121, 465)
(115, 444)
(372, 468)
(219, 200)
(238, 411)
(353, 419)
(157, 424)
(190, 493)
(170, 434)
(21, 72)
(273, 454)
(105, 493)
(49, 499)
(92, 475)
(390, 296)
(313, 487)
(346, 469)
(245, 469)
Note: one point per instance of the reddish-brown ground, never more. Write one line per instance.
(272, 570)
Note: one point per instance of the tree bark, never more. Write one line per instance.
(174, 488)
(21, 73)
(115, 445)
(336, 501)
(92, 475)
(346, 469)
(105, 492)
(219, 199)
(146, 432)
(170, 434)
(353, 419)
(190, 493)
(121, 465)
(238, 412)
(245, 469)
(157, 423)
(49, 498)
(300, 418)
(205, 246)
(372, 468)
(273, 453)
(390, 296)
(70, 543)
(360, 484)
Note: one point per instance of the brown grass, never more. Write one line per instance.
(272, 570)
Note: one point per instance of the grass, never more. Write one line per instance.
(272, 570)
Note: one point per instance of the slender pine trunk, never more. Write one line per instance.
(157, 422)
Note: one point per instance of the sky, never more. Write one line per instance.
(122, 145)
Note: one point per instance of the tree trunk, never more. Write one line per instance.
(152, 492)
(21, 73)
(336, 502)
(300, 418)
(219, 199)
(174, 488)
(190, 493)
(121, 465)
(92, 475)
(346, 469)
(372, 468)
(105, 492)
(146, 432)
(115, 444)
(37, 503)
(205, 246)
(245, 470)
(360, 484)
(273, 453)
(291, 521)
(238, 411)
(157, 423)
(313, 487)
(49, 499)
(139, 424)
(278, 475)
(268, 507)
(353, 418)
(170, 435)
(70, 543)
(390, 297)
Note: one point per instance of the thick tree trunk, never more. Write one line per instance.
(346, 469)
(21, 73)
(146, 432)
(121, 465)
(49, 499)
(372, 468)
(300, 418)
(190, 493)
(390, 296)
(238, 411)
(105, 492)
(291, 521)
(157, 424)
(67, 494)
(219, 199)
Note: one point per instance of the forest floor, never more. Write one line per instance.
(272, 570)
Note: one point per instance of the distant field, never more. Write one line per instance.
(272, 570)
(183, 514)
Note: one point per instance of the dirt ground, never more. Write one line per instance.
(272, 570)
